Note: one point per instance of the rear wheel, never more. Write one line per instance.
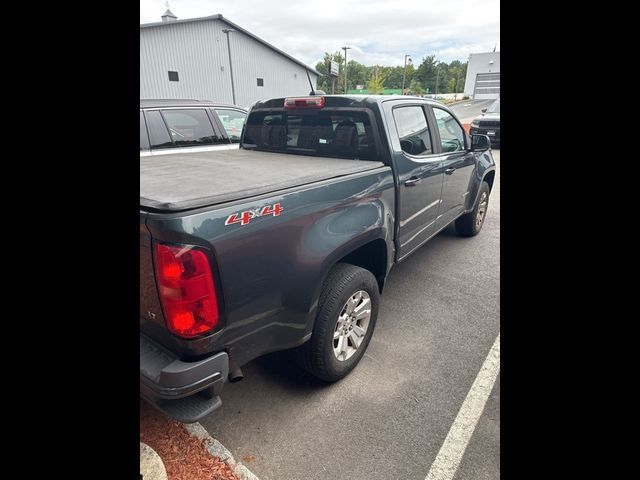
(471, 223)
(346, 318)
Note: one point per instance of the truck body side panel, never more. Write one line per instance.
(271, 269)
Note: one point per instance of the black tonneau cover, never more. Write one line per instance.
(183, 181)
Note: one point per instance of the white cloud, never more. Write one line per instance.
(379, 31)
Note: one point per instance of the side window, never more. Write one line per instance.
(158, 134)
(413, 130)
(232, 121)
(190, 128)
(451, 133)
(144, 138)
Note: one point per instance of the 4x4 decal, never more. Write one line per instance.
(245, 217)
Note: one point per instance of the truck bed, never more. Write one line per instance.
(184, 181)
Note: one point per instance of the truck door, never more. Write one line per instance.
(457, 162)
(419, 170)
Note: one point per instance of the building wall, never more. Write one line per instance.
(479, 63)
(198, 52)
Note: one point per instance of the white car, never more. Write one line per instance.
(188, 125)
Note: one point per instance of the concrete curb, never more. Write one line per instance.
(215, 448)
(151, 465)
(457, 102)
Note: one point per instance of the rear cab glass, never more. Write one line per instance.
(319, 132)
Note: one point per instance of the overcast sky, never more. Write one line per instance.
(379, 31)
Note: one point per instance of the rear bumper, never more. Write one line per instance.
(172, 385)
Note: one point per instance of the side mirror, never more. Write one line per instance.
(480, 143)
(484, 110)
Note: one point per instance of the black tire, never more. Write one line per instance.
(467, 224)
(317, 356)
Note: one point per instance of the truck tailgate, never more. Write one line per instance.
(179, 182)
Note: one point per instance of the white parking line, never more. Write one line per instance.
(446, 463)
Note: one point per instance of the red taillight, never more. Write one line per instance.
(187, 290)
(304, 102)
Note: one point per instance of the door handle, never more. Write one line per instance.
(411, 182)
(449, 171)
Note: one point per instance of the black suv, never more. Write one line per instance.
(488, 123)
(190, 125)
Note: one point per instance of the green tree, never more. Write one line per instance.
(410, 76)
(357, 74)
(415, 88)
(324, 82)
(376, 82)
(418, 80)
(463, 76)
(454, 73)
(442, 78)
(426, 73)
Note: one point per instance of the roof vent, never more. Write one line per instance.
(168, 16)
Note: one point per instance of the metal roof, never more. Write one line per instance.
(233, 25)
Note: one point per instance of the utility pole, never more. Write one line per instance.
(437, 78)
(233, 91)
(404, 72)
(345, 68)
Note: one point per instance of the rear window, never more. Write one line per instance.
(324, 133)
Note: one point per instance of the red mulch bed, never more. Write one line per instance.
(184, 456)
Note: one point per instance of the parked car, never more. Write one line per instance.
(488, 123)
(286, 243)
(188, 125)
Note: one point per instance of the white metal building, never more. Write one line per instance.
(190, 59)
(483, 76)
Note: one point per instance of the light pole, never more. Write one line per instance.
(345, 68)
(233, 91)
(404, 72)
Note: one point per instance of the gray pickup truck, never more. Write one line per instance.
(286, 242)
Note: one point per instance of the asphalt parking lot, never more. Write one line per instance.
(470, 109)
(439, 317)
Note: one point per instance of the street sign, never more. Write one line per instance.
(335, 69)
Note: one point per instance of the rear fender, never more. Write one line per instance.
(351, 229)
